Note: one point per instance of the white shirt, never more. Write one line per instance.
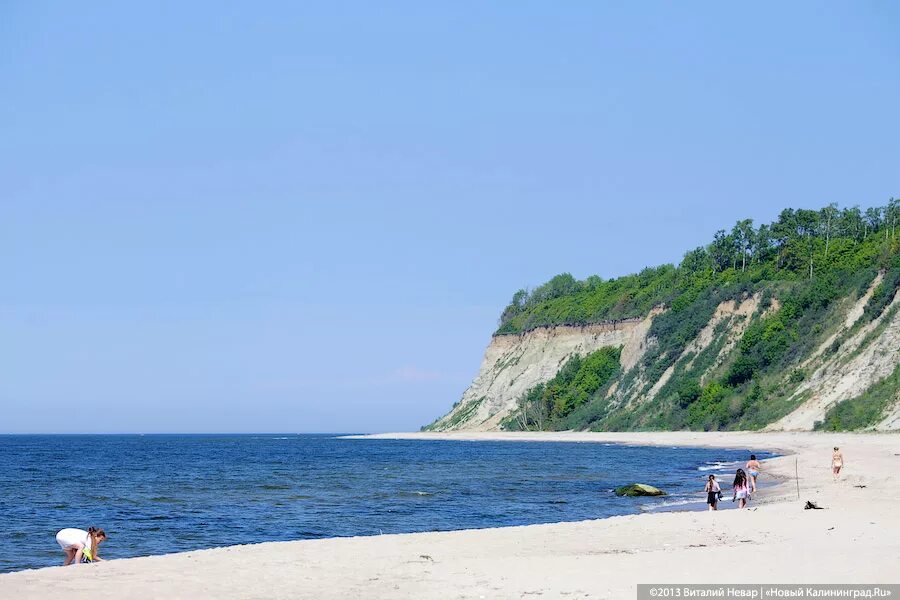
(73, 537)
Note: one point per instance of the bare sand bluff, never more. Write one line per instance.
(855, 540)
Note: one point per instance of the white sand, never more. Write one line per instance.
(856, 540)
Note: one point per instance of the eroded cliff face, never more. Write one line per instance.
(515, 363)
(847, 361)
(863, 360)
(731, 319)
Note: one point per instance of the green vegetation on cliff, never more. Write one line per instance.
(801, 271)
(801, 244)
(550, 405)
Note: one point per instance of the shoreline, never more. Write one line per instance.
(764, 493)
(598, 558)
(639, 438)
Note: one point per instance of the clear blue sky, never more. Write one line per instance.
(286, 217)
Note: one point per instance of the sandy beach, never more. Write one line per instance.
(855, 540)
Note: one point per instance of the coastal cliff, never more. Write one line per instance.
(515, 363)
(798, 331)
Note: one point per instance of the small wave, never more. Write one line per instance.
(417, 493)
(672, 502)
(165, 499)
(717, 466)
(275, 486)
(557, 501)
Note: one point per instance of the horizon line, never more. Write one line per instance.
(194, 433)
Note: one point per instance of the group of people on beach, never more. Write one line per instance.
(743, 485)
(744, 482)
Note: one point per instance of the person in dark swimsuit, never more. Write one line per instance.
(712, 490)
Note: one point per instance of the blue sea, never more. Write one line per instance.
(155, 494)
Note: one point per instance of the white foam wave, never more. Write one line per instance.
(672, 502)
(718, 466)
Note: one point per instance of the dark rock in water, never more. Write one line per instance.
(639, 489)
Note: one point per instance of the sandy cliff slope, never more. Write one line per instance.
(849, 372)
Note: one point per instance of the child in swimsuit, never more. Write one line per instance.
(712, 490)
(753, 468)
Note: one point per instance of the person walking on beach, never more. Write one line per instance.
(753, 467)
(78, 544)
(713, 491)
(741, 488)
(837, 463)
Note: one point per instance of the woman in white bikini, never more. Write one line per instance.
(78, 544)
(753, 467)
(837, 463)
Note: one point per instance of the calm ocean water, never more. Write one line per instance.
(166, 493)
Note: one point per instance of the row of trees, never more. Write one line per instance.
(792, 243)
(745, 245)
